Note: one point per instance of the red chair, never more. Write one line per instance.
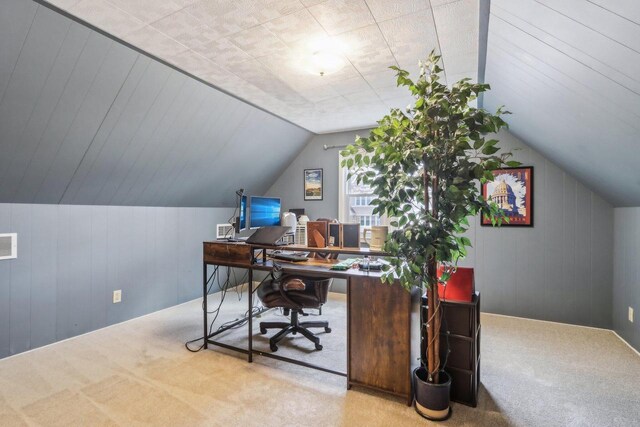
(459, 287)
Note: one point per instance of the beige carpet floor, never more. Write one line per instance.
(139, 373)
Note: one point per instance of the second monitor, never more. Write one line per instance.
(264, 211)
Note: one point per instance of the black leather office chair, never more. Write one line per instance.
(294, 293)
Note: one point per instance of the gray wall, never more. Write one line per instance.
(289, 185)
(86, 120)
(71, 259)
(626, 274)
(559, 270)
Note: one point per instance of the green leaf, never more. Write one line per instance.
(488, 150)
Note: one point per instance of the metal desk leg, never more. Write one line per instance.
(250, 355)
(204, 305)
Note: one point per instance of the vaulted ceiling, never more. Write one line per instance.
(87, 120)
(570, 72)
(254, 48)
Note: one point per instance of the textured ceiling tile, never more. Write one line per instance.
(261, 77)
(374, 62)
(383, 10)
(154, 42)
(147, 10)
(350, 85)
(258, 41)
(236, 14)
(392, 92)
(309, 3)
(458, 31)
(411, 37)
(435, 3)
(317, 93)
(284, 66)
(107, 17)
(243, 13)
(402, 102)
(453, 78)
(382, 79)
(217, 76)
(262, 50)
(362, 97)
(459, 63)
(361, 41)
(64, 4)
(331, 104)
(296, 27)
(223, 53)
(338, 16)
(187, 29)
(194, 63)
(367, 49)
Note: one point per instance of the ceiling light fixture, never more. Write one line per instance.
(327, 56)
(326, 62)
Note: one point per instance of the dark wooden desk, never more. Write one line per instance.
(382, 319)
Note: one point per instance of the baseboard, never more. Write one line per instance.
(95, 330)
(548, 321)
(567, 324)
(629, 345)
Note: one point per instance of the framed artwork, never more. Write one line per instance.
(313, 184)
(512, 190)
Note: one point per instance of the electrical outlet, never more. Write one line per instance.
(117, 296)
(631, 314)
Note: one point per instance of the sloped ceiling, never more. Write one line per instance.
(87, 120)
(570, 72)
(254, 48)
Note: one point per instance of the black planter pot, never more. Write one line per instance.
(431, 399)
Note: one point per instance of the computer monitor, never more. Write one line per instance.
(264, 211)
(241, 223)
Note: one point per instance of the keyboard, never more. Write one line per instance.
(290, 257)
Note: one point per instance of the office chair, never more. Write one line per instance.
(293, 294)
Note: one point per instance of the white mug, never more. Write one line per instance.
(378, 236)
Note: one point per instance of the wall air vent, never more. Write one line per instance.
(8, 246)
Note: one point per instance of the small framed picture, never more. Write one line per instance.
(313, 184)
(512, 190)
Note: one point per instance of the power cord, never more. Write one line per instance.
(224, 287)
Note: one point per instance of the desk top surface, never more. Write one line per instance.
(301, 248)
(316, 266)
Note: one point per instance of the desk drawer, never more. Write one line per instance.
(223, 252)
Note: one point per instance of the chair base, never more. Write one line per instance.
(293, 328)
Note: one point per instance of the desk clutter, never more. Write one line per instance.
(380, 352)
(323, 233)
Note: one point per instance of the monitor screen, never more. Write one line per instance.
(243, 214)
(265, 211)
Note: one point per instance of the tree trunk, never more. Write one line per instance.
(433, 303)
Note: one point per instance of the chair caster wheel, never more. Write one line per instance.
(274, 347)
(327, 330)
(318, 346)
(263, 331)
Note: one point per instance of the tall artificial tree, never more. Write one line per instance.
(424, 164)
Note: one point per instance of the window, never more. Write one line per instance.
(355, 203)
